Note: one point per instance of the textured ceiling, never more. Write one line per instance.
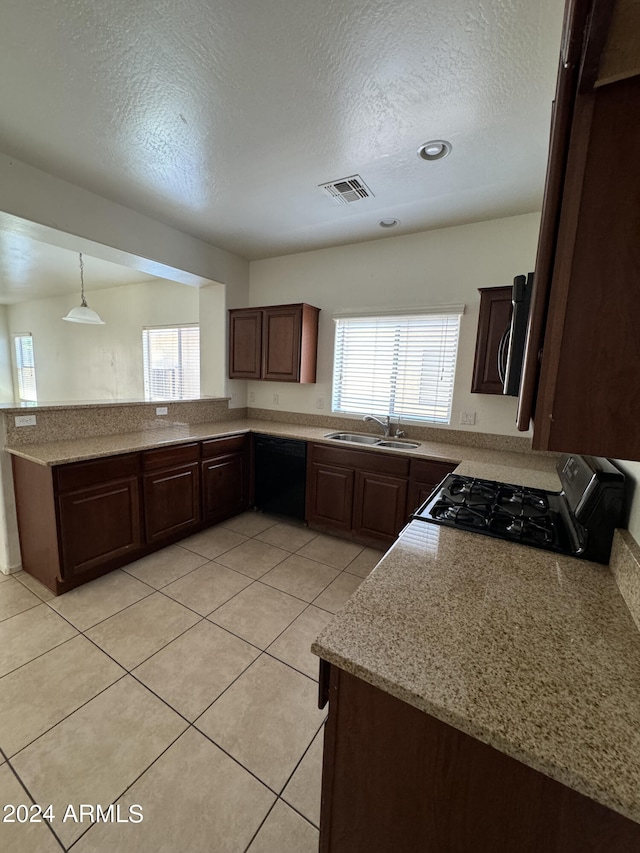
(30, 269)
(221, 117)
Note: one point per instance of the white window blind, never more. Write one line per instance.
(398, 365)
(25, 368)
(171, 362)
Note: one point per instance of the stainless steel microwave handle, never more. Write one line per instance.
(503, 349)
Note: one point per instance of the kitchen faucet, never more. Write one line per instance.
(386, 424)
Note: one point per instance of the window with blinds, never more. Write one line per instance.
(171, 358)
(25, 368)
(397, 365)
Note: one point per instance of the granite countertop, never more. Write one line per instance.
(81, 449)
(530, 652)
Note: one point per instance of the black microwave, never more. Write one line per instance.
(512, 343)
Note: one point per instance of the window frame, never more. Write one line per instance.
(407, 366)
(18, 368)
(149, 386)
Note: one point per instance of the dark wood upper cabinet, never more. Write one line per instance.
(277, 343)
(581, 379)
(493, 323)
(245, 344)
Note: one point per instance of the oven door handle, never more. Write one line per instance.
(503, 349)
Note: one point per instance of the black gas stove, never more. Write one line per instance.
(579, 520)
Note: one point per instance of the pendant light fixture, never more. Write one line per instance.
(83, 314)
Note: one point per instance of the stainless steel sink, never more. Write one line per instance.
(354, 437)
(401, 445)
(358, 438)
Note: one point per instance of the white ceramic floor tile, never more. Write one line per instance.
(266, 720)
(165, 566)
(294, 645)
(207, 588)
(258, 614)
(331, 551)
(284, 831)
(97, 600)
(136, 633)
(195, 799)
(253, 558)
(366, 560)
(300, 577)
(15, 598)
(212, 542)
(29, 634)
(336, 595)
(37, 588)
(21, 837)
(44, 691)
(287, 536)
(305, 786)
(194, 669)
(97, 752)
(249, 523)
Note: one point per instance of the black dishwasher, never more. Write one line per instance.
(280, 470)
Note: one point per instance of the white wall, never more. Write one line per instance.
(76, 362)
(6, 379)
(430, 268)
(632, 471)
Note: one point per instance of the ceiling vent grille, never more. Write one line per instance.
(347, 190)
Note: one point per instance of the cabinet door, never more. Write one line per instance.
(493, 321)
(330, 496)
(379, 506)
(99, 525)
(282, 331)
(245, 344)
(225, 486)
(171, 501)
(425, 476)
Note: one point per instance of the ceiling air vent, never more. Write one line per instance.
(347, 190)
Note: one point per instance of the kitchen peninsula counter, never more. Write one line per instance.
(533, 653)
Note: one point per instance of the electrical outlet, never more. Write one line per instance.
(468, 418)
(320, 403)
(276, 399)
(162, 410)
(252, 396)
(25, 420)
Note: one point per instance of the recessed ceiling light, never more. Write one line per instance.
(389, 223)
(436, 149)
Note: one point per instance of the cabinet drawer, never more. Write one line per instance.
(379, 463)
(167, 457)
(77, 475)
(219, 446)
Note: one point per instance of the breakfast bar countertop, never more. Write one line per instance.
(533, 653)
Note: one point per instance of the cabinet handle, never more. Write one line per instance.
(503, 348)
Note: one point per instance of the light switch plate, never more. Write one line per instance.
(25, 420)
(162, 410)
(468, 418)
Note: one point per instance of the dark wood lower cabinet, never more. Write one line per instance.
(379, 506)
(330, 496)
(99, 525)
(171, 502)
(81, 520)
(425, 476)
(397, 779)
(225, 486)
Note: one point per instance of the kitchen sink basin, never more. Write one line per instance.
(402, 445)
(354, 437)
(358, 438)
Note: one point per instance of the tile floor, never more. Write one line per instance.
(182, 684)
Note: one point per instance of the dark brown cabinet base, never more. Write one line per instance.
(82, 520)
(396, 779)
